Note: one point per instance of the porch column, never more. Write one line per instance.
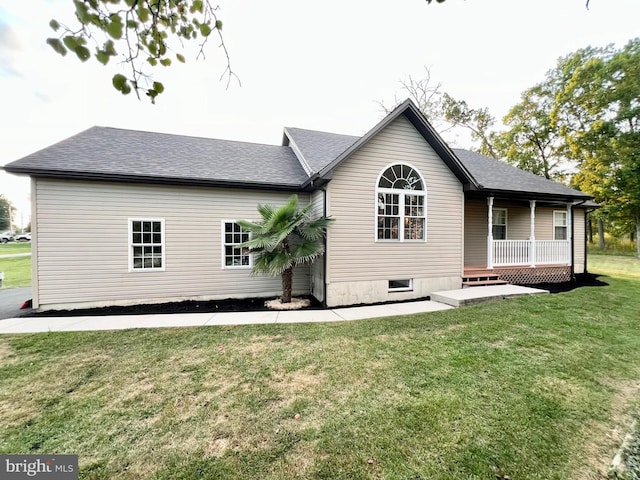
(532, 234)
(490, 234)
(569, 231)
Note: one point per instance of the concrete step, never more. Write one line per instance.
(487, 293)
(481, 282)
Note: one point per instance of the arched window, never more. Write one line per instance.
(401, 198)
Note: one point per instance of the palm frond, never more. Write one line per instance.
(273, 263)
(285, 237)
(315, 229)
(307, 251)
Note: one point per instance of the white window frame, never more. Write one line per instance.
(408, 288)
(506, 222)
(131, 244)
(402, 195)
(565, 226)
(224, 249)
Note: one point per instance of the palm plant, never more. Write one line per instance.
(285, 238)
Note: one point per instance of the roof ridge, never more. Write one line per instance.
(323, 131)
(298, 152)
(196, 137)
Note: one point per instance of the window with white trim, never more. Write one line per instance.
(559, 225)
(401, 204)
(235, 256)
(404, 285)
(146, 244)
(499, 226)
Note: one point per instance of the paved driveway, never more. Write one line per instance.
(11, 299)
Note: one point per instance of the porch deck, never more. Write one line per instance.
(519, 275)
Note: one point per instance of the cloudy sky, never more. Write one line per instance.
(317, 65)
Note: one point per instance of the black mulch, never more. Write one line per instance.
(187, 306)
(254, 304)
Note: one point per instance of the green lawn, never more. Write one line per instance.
(15, 247)
(535, 388)
(17, 272)
(616, 265)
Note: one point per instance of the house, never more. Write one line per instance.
(123, 217)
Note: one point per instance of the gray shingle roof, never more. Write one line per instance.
(127, 154)
(495, 175)
(491, 174)
(319, 149)
(111, 153)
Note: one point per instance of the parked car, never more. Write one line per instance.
(23, 237)
(6, 237)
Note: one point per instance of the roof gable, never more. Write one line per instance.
(417, 119)
(314, 149)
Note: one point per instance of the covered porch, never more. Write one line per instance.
(531, 251)
(517, 241)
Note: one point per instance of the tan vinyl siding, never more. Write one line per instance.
(475, 233)
(355, 255)
(579, 235)
(83, 244)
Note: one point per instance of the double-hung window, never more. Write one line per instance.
(560, 225)
(499, 226)
(146, 244)
(234, 254)
(401, 205)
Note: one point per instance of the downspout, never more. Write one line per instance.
(326, 253)
(573, 245)
(573, 241)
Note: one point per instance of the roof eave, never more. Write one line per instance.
(157, 180)
(520, 194)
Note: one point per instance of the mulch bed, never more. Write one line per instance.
(254, 304)
(187, 306)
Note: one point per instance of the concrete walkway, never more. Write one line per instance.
(121, 322)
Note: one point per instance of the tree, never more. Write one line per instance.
(603, 97)
(143, 30)
(477, 120)
(426, 96)
(285, 238)
(7, 211)
(445, 112)
(533, 141)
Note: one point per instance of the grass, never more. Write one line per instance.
(613, 246)
(615, 265)
(17, 272)
(532, 388)
(12, 248)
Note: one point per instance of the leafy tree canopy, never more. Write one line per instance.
(144, 34)
(7, 211)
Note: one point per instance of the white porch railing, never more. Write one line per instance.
(518, 252)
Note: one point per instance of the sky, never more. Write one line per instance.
(316, 65)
